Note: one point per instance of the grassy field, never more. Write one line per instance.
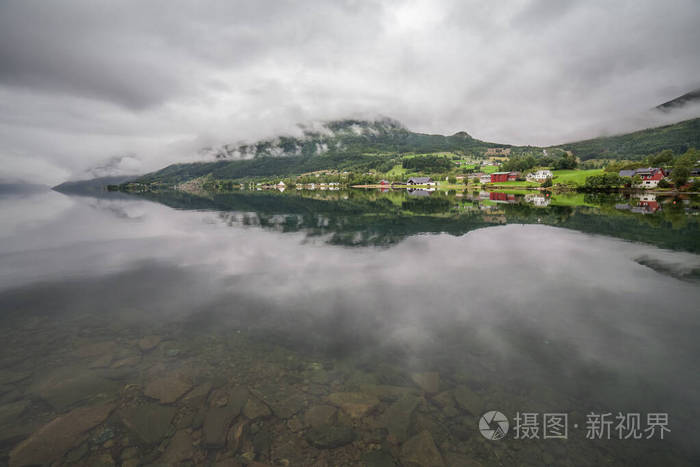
(573, 177)
(569, 199)
(487, 169)
(396, 171)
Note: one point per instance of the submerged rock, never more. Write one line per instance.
(167, 389)
(428, 382)
(216, 423)
(149, 343)
(198, 394)
(255, 409)
(10, 412)
(378, 459)
(421, 451)
(355, 404)
(74, 455)
(126, 362)
(179, 449)
(397, 418)
(329, 436)
(66, 386)
(102, 362)
(50, 442)
(387, 392)
(320, 415)
(468, 400)
(284, 401)
(100, 460)
(233, 438)
(444, 399)
(238, 398)
(151, 422)
(104, 435)
(95, 349)
(455, 459)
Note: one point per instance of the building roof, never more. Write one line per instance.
(420, 180)
(640, 171)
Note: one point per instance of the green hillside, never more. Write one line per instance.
(385, 146)
(347, 145)
(677, 137)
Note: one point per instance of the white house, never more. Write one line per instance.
(485, 178)
(421, 181)
(537, 199)
(539, 176)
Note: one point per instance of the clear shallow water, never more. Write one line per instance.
(248, 334)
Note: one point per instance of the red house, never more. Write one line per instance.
(504, 176)
(651, 176)
(499, 177)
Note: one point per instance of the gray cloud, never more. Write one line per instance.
(81, 81)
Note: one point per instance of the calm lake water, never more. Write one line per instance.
(346, 328)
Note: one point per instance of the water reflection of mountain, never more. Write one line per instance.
(364, 218)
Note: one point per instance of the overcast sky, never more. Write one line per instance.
(98, 87)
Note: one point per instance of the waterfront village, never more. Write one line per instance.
(496, 170)
(484, 183)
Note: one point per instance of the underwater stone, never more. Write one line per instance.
(50, 442)
(355, 404)
(151, 422)
(329, 436)
(421, 451)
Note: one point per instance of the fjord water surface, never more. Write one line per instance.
(316, 334)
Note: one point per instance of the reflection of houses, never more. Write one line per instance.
(537, 199)
(500, 197)
(539, 176)
(648, 204)
(419, 193)
(645, 204)
(497, 177)
(495, 219)
(421, 181)
(651, 176)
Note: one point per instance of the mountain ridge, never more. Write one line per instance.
(681, 101)
(360, 146)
